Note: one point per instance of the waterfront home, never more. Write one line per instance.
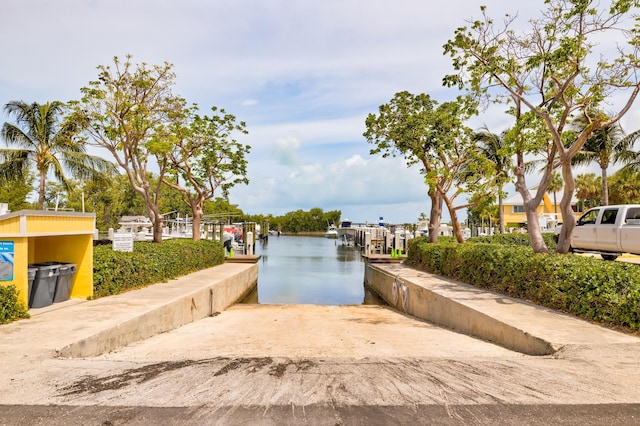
(549, 213)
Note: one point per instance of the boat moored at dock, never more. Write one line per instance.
(332, 232)
(346, 232)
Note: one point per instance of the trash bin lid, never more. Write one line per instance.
(67, 268)
(47, 269)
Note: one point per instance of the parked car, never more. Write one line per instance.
(608, 231)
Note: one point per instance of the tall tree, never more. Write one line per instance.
(404, 127)
(625, 186)
(434, 136)
(626, 153)
(47, 142)
(127, 111)
(113, 199)
(605, 146)
(530, 138)
(587, 189)
(15, 192)
(221, 206)
(485, 212)
(206, 157)
(554, 70)
(496, 149)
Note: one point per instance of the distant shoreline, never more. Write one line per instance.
(305, 234)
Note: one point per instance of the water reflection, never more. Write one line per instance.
(309, 270)
(370, 298)
(346, 253)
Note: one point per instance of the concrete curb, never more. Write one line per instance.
(480, 313)
(143, 313)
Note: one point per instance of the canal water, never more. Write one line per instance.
(309, 270)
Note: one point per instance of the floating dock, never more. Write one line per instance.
(383, 258)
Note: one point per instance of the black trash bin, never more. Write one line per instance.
(63, 286)
(32, 276)
(44, 285)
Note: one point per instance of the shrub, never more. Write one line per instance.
(607, 292)
(10, 308)
(149, 263)
(514, 240)
(115, 272)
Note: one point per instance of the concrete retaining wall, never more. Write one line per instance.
(143, 313)
(449, 304)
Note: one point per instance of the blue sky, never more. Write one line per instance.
(303, 75)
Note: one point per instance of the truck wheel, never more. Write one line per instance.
(609, 256)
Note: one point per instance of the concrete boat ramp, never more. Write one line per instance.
(183, 353)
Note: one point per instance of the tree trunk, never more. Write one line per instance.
(196, 209)
(457, 229)
(500, 212)
(41, 188)
(156, 220)
(141, 186)
(436, 215)
(534, 231)
(605, 187)
(568, 218)
(530, 207)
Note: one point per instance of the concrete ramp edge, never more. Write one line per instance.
(202, 294)
(412, 294)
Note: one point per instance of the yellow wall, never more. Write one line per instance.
(20, 264)
(77, 249)
(511, 217)
(10, 226)
(40, 236)
(546, 207)
(43, 225)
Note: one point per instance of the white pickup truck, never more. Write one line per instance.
(608, 231)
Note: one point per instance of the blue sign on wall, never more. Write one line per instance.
(6, 260)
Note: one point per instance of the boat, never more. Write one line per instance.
(138, 226)
(346, 232)
(332, 232)
(141, 228)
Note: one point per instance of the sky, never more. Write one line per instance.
(303, 75)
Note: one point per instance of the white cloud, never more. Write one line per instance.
(356, 160)
(340, 185)
(285, 150)
(313, 132)
(302, 75)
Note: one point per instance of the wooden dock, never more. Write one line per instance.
(380, 241)
(243, 258)
(383, 258)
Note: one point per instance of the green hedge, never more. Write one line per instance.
(115, 272)
(514, 240)
(10, 308)
(607, 292)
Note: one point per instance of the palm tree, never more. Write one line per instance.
(587, 188)
(46, 143)
(626, 155)
(494, 148)
(606, 145)
(625, 186)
